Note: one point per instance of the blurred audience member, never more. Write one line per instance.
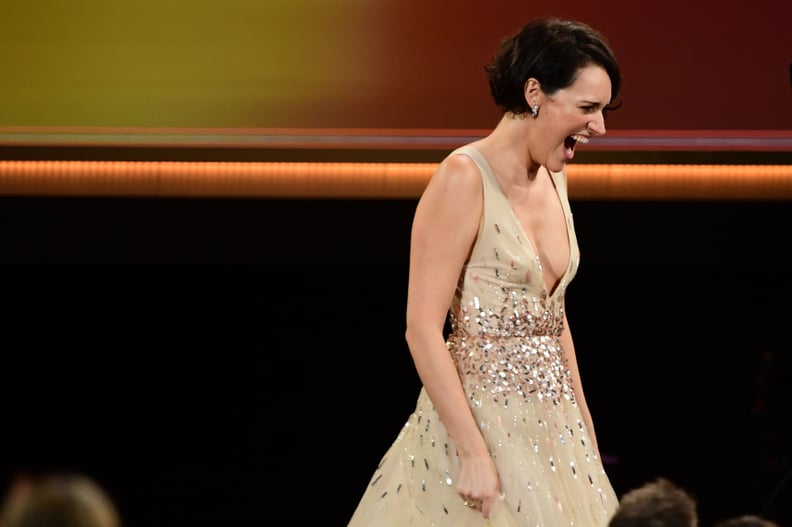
(746, 520)
(57, 500)
(659, 503)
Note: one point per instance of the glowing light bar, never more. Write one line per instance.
(372, 180)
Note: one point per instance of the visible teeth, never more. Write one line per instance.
(580, 139)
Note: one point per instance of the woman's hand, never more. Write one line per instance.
(478, 484)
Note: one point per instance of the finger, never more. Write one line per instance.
(486, 507)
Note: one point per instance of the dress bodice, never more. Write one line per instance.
(501, 291)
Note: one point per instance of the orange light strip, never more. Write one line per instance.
(373, 180)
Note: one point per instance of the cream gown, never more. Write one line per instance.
(505, 329)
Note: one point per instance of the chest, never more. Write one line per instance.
(543, 220)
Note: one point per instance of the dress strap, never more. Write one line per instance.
(488, 176)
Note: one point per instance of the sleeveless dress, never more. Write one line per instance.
(505, 341)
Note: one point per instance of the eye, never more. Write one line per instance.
(614, 105)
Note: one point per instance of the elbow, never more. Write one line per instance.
(414, 334)
(420, 335)
(409, 335)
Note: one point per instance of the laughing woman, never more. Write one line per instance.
(501, 434)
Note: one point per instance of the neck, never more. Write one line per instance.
(511, 142)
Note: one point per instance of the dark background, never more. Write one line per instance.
(219, 361)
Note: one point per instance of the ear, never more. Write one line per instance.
(532, 91)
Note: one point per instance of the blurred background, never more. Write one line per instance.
(218, 360)
(383, 64)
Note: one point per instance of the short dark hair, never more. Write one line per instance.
(747, 520)
(659, 503)
(551, 50)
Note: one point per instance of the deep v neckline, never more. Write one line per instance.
(551, 291)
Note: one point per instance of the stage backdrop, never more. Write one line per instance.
(373, 64)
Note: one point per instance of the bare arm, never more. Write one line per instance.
(577, 386)
(444, 228)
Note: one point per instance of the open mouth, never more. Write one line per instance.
(571, 141)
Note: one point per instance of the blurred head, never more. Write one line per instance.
(553, 52)
(656, 504)
(747, 520)
(63, 500)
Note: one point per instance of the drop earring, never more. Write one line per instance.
(535, 111)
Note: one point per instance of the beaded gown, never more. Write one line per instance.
(505, 341)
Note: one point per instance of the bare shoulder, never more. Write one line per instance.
(457, 174)
(453, 199)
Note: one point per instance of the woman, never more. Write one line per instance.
(501, 434)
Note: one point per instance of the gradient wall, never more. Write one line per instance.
(374, 64)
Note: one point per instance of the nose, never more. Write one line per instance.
(597, 125)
